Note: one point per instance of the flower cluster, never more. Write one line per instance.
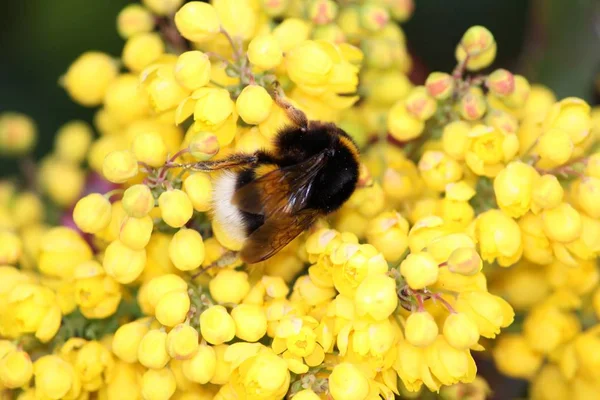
(116, 280)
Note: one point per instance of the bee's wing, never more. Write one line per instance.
(275, 233)
(281, 191)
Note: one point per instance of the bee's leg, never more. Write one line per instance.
(232, 161)
(295, 115)
(228, 258)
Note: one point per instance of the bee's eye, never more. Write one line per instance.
(330, 152)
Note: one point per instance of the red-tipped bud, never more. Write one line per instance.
(472, 105)
(439, 85)
(501, 82)
(204, 145)
(420, 104)
(322, 12)
(373, 17)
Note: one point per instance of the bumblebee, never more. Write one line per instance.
(266, 199)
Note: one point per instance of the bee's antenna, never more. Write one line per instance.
(295, 115)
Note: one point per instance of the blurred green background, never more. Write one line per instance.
(555, 42)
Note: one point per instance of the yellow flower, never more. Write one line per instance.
(438, 169)
(347, 382)
(499, 238)
(11, 247)
(264, 51)
(309, 64)
(211, 108)
(119, 166)
(489, 312)
(197, 21)
(550, 383)
(175, 207)
(449, 365)
(547, 193)
(571, 115)
(127, 338)
(152, 350)
(56, 378)
(515, 358)
(142, 49)
(419, 270)
(264, 375)
(73, 141)
(122, 263)
(186, 249)
(513, 188)
(135, 232)
(198, 187)
(250, 322)
(402, 125)
(16, 369)
(412, 369)
(460, 331)
(489, 149)
(88, 78)
(192, 69)
(172, 308)
(150, 148)
(421, 329)
(238, 18)
(588, 197)
(96, 294)
(376, 297)
(546, 328)
(201, 367)
(182, 342)
(138, 201)
(291, 32)
(536, 245)
(297, 340)
(124, 100)
(229, 286)
(92, 363)
(62, 249)
(158, 384)
(133, 19)
(388, 233)
(353, 263)
(216, 325)
(562, 223)
(254, 104)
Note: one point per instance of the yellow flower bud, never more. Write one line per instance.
(135, 232)
(200, 368)
(402, 125)
(562, 223)
(440, 85)
(250, 322)
(518, 97)
(119, 166)
(72, 141)
(460, 331)
(592, 167)
(127, 338)
(18, 133)
(216, 325)
(175, 207)
(513, 188)
(419, 270)
(254, 104)
(465, 261)
(571, 115)
(161, 88)
(192, 69)
(212, 109)
(547, 193)
(138, 201)
(182, 342)
(306, 394)
(11, 248)
(237, 17)
(152, 351)
(124, 100)
(472, 105)
(420, 104)
(55, 378)
(589, 196)
(489, 312)
(229, 286)
(501, 82)
(150, 149)
(438, 169)
(186, 250)
(373, 17)
(376, 296)
(555, 147)
(203, 145)
(547, 327)
(322, 12)
(479, 45)
(308, 64)
(515, 358)
(197, 21)
(16, 369)
(88, 78)
(28, 210)
(62, 249)
(265, 52)
(122, 263)
(62, 181)
(454, 139)
(158, 384)
(172, 308)
(162, 285)
(347, 382)
(499, 237)
(134, 19)
(198, 188)
(162, 7)
(141, 50)
(291, 32)
(420, 329)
